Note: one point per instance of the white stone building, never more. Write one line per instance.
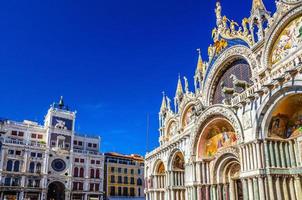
(239, 134)
(49, 161)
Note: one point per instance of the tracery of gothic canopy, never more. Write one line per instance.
(288, 42)
(286, 120)
(216, 135)
(231, 79)
(188, 116)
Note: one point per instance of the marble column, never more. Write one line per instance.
(256, 155)
(249, 158)
(250, 188)
(292, 189)
(272, 156)
(256, 189)
(291, 153)
(232, 190)
(245, 189)
(282, 155)
(278, 189)
(258, 152)
(288, 163)
(276, 151)
(261, 188)
(267, 155)
(284, 187)
(242, 159)
(271, 187)
(298, 189)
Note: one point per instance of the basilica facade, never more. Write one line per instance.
(238, 135)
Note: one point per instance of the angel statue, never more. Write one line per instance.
(218, 13)
(245, 21)
(232, 26)
(211, 51)
(215, 34)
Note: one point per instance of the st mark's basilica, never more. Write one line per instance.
(238, 135)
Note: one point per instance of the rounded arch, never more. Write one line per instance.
(172, 127)
(209, 114)
(159, 167)
(227, 167)
(56, 190)
(178, 156)
(218, 133)
(221, 65)
(271, 108)
(275, 32)
(186, 114)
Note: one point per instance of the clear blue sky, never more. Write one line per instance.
(110, 59)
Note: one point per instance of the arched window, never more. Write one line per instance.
(16, 166)
(9, 166)
(32, 167)
(82, 172)
(139, 181)
(76, 172)
(38, 168)
(97, 173)
(92, 173)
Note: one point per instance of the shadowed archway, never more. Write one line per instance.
(56, 191)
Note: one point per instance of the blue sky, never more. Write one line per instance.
(110, 59)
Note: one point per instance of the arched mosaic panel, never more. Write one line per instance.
(218, 134)
(172, 129)
(289, 41)
(188, 116)
(286, 121)
(239, 68)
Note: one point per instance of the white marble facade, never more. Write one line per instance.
(238, 135)
(49, 161)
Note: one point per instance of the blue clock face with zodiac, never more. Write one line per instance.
(58, 165)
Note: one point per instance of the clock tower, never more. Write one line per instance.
(59, 124)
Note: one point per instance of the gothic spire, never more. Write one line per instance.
(259, 15)
(199, 67)
(179, 90)
(163, 103)
(258, 5)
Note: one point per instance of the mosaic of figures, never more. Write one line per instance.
(218, 134)
(288, 42)
(287, 118)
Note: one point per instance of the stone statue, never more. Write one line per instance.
(168, 103)
(186, 85)
(218, 13)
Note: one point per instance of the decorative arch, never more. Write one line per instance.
(276, 33)
(56, 190)
(176, 160)
(281, 114)
(227, 167)
(159, 167)
(187, 115)
(221, 65)
(217, 134)
(172, 127)
(212, 112)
